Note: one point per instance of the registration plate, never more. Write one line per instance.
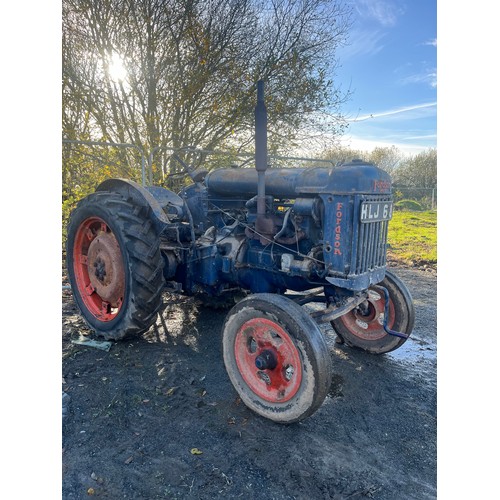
(376, 211)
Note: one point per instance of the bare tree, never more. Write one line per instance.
(418, 171)
(340, 154)
(189, 70)
(387, 158)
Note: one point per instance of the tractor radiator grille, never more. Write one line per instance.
(372, 242)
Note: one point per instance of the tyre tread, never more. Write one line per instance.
(146, 262)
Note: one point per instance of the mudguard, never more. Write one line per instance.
(164, 204)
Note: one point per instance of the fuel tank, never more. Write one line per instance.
(349, 178)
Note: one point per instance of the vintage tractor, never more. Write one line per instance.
(284, 237)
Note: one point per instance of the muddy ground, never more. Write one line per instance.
(133, 415)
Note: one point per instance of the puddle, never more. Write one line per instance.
(414, 351)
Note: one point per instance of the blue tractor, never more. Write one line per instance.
(266, 240)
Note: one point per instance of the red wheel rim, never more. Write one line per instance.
(369, 325)
(98, 267)
(258, 338)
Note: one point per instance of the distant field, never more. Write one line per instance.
(413, 237)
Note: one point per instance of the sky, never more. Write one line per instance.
(390, 68)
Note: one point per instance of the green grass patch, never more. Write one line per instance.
(408, 205)
(413, 237)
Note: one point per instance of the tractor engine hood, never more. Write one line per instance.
(348, 178)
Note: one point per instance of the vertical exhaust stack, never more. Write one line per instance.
(264, 226)
(261, 150)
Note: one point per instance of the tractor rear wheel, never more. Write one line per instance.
(114, 265)
(362, 327)
(276, 357)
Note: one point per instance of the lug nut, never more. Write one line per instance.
(265, 377)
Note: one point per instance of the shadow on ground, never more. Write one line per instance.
(157, 417)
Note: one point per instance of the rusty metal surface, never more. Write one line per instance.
(105, 267)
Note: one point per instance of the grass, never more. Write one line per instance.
(413, 237)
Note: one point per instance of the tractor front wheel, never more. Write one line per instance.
(363, 328)
(276, 357)
(114, 265)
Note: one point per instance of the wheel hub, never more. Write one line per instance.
(105, 267)
(366, 321)
(268, 360)
(100, 269)
(366, 311)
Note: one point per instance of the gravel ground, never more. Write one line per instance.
(157, 417)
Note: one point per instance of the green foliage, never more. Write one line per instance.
(412, 237)
(397, 195)
(410, 205)
(418, 171)
(85, 167)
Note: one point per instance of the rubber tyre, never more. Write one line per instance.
(401, 319)
(142, 263)
(305, 342)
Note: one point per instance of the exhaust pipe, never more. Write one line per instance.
(261, 151)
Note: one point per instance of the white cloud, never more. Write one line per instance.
(432, 42)
(385, 13)
(362, 42)
(369, 145)
(391, 112)
(427, 77)
(420, 137)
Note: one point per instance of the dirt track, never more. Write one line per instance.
(134, 415)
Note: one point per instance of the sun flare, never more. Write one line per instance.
(117, 70)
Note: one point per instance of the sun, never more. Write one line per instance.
(117, 70)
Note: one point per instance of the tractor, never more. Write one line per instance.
(289, 248)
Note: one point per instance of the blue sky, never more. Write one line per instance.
(390, 67)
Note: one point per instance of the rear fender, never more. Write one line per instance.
(141, 196)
